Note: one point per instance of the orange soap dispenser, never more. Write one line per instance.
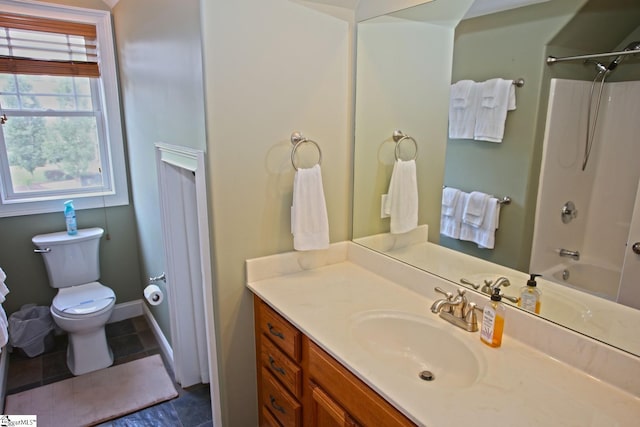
(493, 320)
(530, 296)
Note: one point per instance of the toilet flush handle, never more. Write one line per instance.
(42, 251)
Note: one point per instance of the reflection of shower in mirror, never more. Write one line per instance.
(606, 191)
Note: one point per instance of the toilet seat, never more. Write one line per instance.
(83, 300)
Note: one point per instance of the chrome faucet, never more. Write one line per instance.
(570, 254)
(490, 285)
(456, 310)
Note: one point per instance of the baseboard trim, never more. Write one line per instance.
(165, 347)
(127, 310)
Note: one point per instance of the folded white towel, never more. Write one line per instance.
(463, 106)
(402, 198)
(309, 220)
(450, 225)
(4, 328)
(475, 209)
(497, 96)
(484, 235)
(3, 287)
(450, 198)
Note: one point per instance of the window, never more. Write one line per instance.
(62, 137)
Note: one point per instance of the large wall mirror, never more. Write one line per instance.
(406, 63)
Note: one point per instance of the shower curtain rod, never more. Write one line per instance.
(553, 59)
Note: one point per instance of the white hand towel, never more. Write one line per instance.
(4, 328)
(463, 106)
(3, 287)
(309, 220)
(497, 96)
(450, 225)
(475, 209)
(402, 197)
(450, 198)
(483, 236)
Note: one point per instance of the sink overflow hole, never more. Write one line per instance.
(427, 376)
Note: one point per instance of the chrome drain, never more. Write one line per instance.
(427, 376)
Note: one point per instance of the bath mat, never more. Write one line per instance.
(96, 397)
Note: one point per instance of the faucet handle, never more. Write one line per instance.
(471, 318)
(449, 295)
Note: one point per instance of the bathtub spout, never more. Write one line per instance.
(570, 254)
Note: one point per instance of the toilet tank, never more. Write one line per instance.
(70, 260)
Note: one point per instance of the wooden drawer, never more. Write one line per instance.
(362, 403)
(268, 420)
(282, 368)
(279, 402)
(280, 331)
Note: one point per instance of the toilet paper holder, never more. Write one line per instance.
(162, 277)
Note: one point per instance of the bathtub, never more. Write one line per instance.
(594, 279)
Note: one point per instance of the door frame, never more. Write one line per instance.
(186, 332)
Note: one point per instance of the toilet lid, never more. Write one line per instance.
(83, 299)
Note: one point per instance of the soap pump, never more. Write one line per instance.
(530, 295)
(493, 320)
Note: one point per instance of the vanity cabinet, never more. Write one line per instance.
(299, 384)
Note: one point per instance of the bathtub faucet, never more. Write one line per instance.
(570, 254)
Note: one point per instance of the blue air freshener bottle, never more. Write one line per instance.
(70, 217)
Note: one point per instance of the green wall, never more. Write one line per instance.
(161, 84)
(509, 45)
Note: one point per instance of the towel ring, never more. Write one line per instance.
(398, 137)
(297, 139)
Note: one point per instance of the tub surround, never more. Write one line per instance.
(542, 375)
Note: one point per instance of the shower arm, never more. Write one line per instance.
(552, 59)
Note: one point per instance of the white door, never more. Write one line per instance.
(629, 293)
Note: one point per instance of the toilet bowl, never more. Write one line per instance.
(82, 305)
(82, 311)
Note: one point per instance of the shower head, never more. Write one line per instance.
(631, 46)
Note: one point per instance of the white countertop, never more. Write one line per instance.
(597, 317)
(320, 293)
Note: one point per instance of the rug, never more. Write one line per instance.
(96, 397)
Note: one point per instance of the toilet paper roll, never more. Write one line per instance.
(153, 294)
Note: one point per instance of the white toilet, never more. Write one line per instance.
(82, 306)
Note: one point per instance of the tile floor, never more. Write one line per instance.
(129, 339)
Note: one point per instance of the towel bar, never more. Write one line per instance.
(506, 200)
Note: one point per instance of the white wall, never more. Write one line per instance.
(403, 75)
(271, 67)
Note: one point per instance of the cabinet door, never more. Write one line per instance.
(326, 412)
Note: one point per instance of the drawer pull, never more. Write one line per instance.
(275, 367)
(274, 331)
(275, 406)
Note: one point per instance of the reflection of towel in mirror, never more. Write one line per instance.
(450, 224)
(475, 209)
(450, 198)
(484, 235)
(463, 106)
(309, 221)
(402, 198)
(497, 96)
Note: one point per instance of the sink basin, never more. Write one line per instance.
(408, 345)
